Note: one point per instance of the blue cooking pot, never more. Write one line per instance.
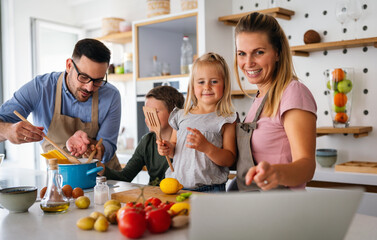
(80, 175)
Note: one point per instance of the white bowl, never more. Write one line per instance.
(18, 199)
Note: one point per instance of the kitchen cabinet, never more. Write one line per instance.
(162, 37)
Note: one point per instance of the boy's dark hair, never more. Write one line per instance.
(92, 49)
(169, 95)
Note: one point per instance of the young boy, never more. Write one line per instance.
(164, 99)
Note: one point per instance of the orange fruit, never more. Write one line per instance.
(338, 75)
(341, 117)
(340, 99)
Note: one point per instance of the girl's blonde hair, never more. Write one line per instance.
(224, 106)
(284, 71)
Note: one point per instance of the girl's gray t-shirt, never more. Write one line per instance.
(193, 168)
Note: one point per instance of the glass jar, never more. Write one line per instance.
(54, 199)
(101, 191)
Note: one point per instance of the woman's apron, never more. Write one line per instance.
(245, 161)
(62, 127)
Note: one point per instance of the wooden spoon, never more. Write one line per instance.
(99, 143)
(69, 157)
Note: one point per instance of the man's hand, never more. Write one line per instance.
(21, 132)
(78, 143)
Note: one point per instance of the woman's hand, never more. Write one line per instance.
(196, 140)
(78, 143)
(264, 175)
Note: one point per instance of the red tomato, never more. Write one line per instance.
(152, 200)
(135, 205)
(132, 224)
(166, 205)
(149, 208)
(126, 209)
(158, 220)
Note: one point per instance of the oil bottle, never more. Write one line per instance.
(54, 199)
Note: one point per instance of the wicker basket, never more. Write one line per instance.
(189, 4)
(110, 25)
(157, 7)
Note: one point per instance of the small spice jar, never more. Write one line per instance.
(101, 191)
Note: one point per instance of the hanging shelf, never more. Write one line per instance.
(121, 37)
(357, 131)
(304, 50)
(277, 12)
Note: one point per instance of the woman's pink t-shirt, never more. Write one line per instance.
(269, 141)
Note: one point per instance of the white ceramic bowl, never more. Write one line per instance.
(18, 199)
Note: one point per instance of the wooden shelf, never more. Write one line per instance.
(277, 12)
(162, 77)
(304, 50)
(122, 37)
(119, 77)
(240, 94)
(357, 131)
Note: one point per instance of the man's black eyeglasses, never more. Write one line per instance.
(83, 78)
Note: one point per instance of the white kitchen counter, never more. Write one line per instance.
(330, 175)
(37, 225)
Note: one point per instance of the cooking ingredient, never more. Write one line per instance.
(42, 192)
(85, 223)
(112, 202)
(341, 117)
(166, 205)
(181, 208)
(179, 221)
(183, 196)
(139, 208)
(77, 192)
(110, 209)
(170, 185)
(82, 202)
(180, 198)
(54, 199)
(101, 191)
(112, 218)
(152, 201)
(96, 215)
(338, 75)
(101, 224)
(132, 224)
(67, 190)
(340, 99)
(158, 220)
(345, 86)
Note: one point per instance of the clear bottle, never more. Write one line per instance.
(128, 62)
(186, 55)
(101, 191)
(156, 67)
(54, 199)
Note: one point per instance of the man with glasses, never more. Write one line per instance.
(74, 108)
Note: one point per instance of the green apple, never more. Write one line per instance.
(338, 109)
(329, 84)
(345, 86)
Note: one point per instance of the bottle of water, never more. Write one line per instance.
(186, 55)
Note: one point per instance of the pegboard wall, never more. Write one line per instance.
(320, 16)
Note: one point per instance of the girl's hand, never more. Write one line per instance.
(164, 148)
(196, 140)
(264, 175)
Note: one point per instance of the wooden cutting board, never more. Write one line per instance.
(357, 166)
(149, 191)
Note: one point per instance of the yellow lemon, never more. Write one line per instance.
(180, 208)
(170, 185)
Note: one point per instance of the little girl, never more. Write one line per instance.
(203, 139)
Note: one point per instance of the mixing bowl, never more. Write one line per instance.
(18, 199)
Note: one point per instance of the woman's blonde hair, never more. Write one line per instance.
(284, 71)
(224, 106)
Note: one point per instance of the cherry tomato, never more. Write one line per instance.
(153, 200)
(132, 224)
(134, 205)
(149, 208)
(158, 220)
(166, 205)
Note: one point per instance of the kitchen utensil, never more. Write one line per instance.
(70, 158)
(326, 157)
(357, 166)
(80, 175)
(18, 199)
(149, 191)
(94, 151)
(155, 126)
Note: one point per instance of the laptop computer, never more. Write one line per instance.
(319, 214)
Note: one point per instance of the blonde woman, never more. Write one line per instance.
(282, 119)
(203, 140)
